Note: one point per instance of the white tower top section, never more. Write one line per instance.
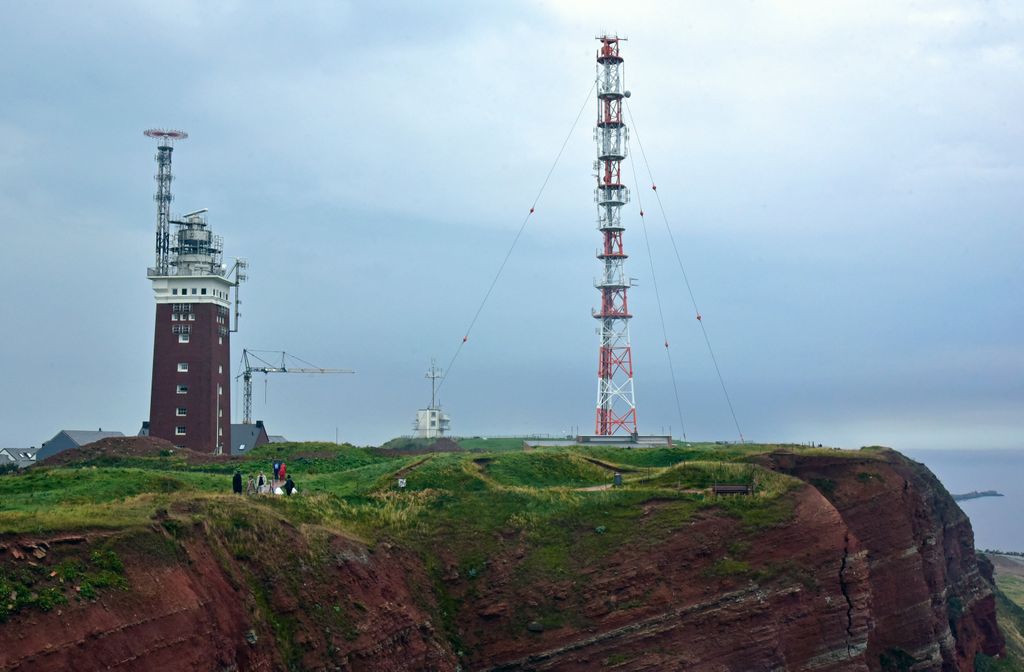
(194, 249)
(189, 264)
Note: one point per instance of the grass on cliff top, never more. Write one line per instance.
(465, 493)
(551, 508)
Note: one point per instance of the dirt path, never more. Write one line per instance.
(405, 470)
(595, 488)
(609, 466)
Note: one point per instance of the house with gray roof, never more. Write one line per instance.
(246, 437)
(66, 439)
(20, 457)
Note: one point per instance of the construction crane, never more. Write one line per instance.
(271, 367)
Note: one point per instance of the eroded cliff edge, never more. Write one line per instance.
(931, 605)
(866, 564)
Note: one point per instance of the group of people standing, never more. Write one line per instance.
(259, 485)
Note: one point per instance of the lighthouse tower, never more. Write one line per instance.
(190, 402)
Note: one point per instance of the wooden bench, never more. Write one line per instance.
(731, 489)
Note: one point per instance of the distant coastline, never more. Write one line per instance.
(975, 494)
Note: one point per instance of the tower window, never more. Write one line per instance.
(193, 290)
(182, 389)
(181, 412)
(204, 290)
(183, 367)
(191, 317)
(179, 430)
(220, 368)
(174, 291)
(183, 338)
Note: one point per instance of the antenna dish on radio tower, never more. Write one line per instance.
(168, 134)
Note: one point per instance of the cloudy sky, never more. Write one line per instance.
(845, 182)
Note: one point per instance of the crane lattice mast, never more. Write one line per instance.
(268, 367)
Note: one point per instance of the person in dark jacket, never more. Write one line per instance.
(236, 482)
(289, 485)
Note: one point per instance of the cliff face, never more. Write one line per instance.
(868, 565)
(253, 599)
(931, 608)
(714, 596)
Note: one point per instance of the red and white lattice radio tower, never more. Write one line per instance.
(616, 406)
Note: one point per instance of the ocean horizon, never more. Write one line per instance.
(998, 522)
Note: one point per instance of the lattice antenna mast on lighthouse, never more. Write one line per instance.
(616, 406)
(165, 145)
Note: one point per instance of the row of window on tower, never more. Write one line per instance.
(183, 368)
(184, 332)
(183, 389)
(199, 291)
(182, 311)
(180, 430)
(182, 411)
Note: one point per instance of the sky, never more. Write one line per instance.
(843, 181)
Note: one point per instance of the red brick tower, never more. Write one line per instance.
(190, 402)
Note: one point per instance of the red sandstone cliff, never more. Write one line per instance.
(194, 605)
(930, 603)
(874, 569)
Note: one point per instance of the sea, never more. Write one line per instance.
(998, 522)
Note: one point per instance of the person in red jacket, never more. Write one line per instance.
(281, 474)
